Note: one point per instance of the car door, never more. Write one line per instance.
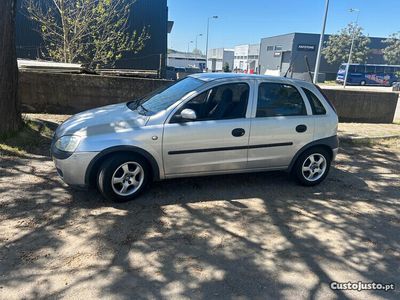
(217, 140)
(280, 125)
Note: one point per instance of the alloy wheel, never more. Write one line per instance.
(127, 178)
(314, 167)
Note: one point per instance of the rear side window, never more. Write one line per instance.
(316, 105)
(326, 98)
(277, 99)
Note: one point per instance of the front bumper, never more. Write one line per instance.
(73, 169)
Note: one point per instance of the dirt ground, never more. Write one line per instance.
(248, 236)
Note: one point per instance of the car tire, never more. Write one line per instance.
(312, 166)
(123, 177)
(363, 82)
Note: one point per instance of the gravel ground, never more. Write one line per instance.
(248, 236)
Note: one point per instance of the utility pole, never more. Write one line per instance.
(187, 53)
(321, 43)
(352, 45)
(208, 29)
(200, 34)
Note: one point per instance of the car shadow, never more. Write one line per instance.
(234, 236)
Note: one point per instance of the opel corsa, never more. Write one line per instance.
(205, 124)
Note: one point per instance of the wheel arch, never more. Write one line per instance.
(94, 165)
(329, 144)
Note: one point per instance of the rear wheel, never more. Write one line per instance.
(123, 177)
(312, 166)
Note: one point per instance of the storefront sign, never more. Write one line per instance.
(305, 47)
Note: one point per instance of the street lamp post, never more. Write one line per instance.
(208, 28)
(321, 42)
(195, 45)
(352, 45)
(187, 53)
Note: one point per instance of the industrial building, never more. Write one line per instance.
(186, 60)
(246, 58)
(218, 58)
(150, 13)
(294, 50)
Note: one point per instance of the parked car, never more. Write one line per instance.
(205, 124)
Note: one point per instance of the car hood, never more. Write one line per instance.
(102, 120)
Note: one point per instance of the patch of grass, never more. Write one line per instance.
(34, 137)
(330, 82)
(396, 122)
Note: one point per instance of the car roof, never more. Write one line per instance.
(217, 76)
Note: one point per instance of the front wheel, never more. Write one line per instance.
(123, 177)
(312, 166)
(363, 82)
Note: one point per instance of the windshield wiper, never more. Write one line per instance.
(142, 108)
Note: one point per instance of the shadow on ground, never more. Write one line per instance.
(248, 235)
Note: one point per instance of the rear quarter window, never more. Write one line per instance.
(316, 105)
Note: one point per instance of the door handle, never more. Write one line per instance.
(237, 132)
(301, 128)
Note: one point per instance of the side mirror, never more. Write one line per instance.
(188, 114)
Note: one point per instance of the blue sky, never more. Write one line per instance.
(242, 22)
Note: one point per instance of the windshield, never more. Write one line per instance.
(165, 97)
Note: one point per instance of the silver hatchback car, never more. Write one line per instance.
(205, 124)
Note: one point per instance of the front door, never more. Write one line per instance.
(217, 139)
(281, 126)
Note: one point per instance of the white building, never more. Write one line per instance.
(246, 58)
(218, 57)
(186, 60)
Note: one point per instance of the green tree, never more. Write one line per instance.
(392, 51)
(226, 68)
(94, 32)
(337, 48)
(9, 107)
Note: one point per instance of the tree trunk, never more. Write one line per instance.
(10, 117)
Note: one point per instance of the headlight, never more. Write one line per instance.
(68, 143)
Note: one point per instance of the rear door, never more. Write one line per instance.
(217, 140)
(281, 124)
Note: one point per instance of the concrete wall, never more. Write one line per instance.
(72, 93)
(363, 106)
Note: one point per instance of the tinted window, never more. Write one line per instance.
(227, 101)
(276, 99)
(379, 69)
(352, 68)
(360, 69)
(369, 69)
(316, 105)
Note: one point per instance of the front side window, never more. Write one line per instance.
(227, 101)
(166, 96)
(277, 99)
(316, 105)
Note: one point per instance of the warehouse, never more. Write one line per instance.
(294, 50)
(246, 58)
(218, 58)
